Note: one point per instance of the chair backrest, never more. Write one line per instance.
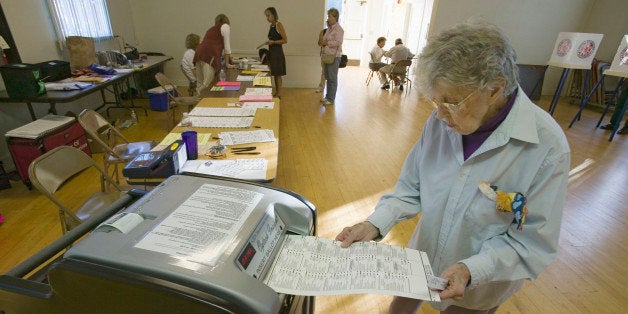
(54, 169)
(95, 125)
(167, 85)
(401, 67)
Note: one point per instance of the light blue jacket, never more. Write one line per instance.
(527, 153)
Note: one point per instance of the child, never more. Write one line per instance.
(187, 64)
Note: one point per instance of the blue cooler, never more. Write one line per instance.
(158, 99)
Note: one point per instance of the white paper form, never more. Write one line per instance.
(308, 265)
(259, 105)
(221, 122)
(258, 91)
(244, 137)
(245, 78)
(222, 112)
(245, 169)
(201, 228)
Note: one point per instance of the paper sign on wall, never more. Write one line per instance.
(575, 50)
(619, 66)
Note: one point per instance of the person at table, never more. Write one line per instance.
(209, 54)
(376, 61)
(276, 39)
(397, 53)
(187, 62)
(483, 131)
(332, 44)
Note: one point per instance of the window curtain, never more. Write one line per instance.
(86, 18)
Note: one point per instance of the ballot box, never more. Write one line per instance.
(192, 245)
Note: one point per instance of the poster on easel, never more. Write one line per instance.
(619, 66)
(575, 50)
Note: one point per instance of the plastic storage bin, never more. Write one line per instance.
(158, 99)
(54, 70)
(22, 80)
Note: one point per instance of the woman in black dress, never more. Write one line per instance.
(276, 38)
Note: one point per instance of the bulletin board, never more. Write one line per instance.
(575, 50)
(619, 66)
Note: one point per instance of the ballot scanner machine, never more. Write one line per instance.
(191, 245)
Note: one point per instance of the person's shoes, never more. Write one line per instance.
(607, 127)
(400, 86)
(386, 86)
(323, 100)
(623, 130)
(327, 102)
(319, 90)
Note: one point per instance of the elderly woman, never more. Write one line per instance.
(332, 44)
(483, 129)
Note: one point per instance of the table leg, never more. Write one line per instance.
(585, 99)
(559, 89)
(32, 112)
(53, 108)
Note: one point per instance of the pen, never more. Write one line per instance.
(246, 153)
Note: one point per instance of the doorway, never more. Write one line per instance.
(365, 20)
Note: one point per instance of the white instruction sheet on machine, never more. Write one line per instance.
(200, 229)
(308, 265)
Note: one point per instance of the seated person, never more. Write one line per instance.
(615, 119)
(187, 64)
(376, 61)
(397, 53)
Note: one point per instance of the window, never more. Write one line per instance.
(87, 18)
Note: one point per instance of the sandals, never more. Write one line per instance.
(623, 130)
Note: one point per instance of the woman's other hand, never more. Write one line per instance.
(364, 231)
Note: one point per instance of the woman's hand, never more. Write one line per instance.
(458, 276)
(364, 231)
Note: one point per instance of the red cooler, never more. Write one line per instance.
(36, 138)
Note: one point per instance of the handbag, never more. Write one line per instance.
(328, 58)
(343, 61)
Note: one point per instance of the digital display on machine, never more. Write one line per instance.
(257, 254)
(247, 255)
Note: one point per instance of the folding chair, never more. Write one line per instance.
(401, 71)
(63, 175)
(173, 99)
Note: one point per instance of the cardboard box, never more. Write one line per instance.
(158, 99)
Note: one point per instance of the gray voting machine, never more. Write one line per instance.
(192, 245)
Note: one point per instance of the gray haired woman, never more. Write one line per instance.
(484, 130)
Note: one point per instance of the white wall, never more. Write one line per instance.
(533, 25)
(161, 25)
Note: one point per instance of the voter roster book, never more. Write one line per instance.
(308, 265)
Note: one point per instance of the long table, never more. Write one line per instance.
(116, 83)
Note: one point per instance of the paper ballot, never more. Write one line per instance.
(308, 265)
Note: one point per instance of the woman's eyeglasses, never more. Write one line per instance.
(450, 106)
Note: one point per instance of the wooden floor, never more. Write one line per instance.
(344, 157)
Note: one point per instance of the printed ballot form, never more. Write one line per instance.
(308, 265)
(200, 229)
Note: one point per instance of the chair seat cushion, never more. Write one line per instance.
(97, 202)
(130, 150)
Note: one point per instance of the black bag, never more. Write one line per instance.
(343, 61)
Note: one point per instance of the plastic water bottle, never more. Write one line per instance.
(222, 76)
(133, 117)
(185, 121)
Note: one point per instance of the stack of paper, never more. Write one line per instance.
(253, 97)
(262, 81)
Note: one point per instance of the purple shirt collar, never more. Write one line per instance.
(473, 141)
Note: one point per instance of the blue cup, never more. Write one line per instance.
(191, 144)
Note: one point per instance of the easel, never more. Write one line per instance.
(573, 51)
(619, 68)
